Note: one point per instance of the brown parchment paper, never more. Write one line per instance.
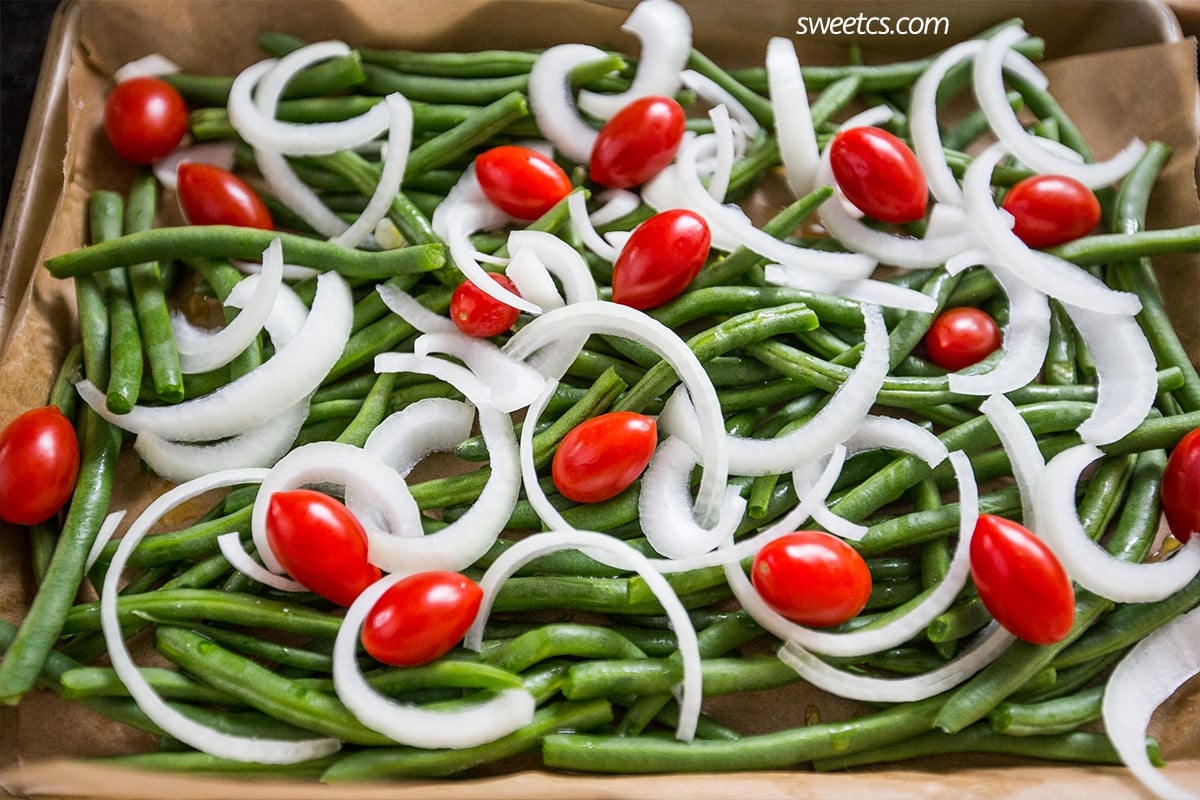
(1119, 68)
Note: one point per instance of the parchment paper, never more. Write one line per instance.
(1109, 67)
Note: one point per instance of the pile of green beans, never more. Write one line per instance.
(587, 640)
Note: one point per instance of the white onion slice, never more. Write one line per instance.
(1088, 563)
(201, 737)
(615, 553)
(577, 205)
(219, 154)
(296, 194)
(391, 176)
(1021, 446)
(1140, 683)
(715, 94)
(532, 279)
(1049, 274)
(108, 529)
(407, 723)
(561, 260)
(988, 81)
(617, 320)
(793, 116)
(409, 309)
(1125, 373)
(990, 643)
(615, 203)
(551, 102)
(512, 384)
(718, 180)
(151, 65)
(231, 547)
(430, 425)
(867, 290)
(665, 31)
(285, 379)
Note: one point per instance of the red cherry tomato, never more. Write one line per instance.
(1020, 581)
(637, 142)
(39, 462)
(213, 196)
(663, 255)
(477, 313)
(812, 577)
(145, 118)
(1051, 209)
(960, 337)
(879, 173)
(521, 182)
(421, 618)
(320, 544)
(1181, 487)
(601, 457)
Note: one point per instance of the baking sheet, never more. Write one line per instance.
(1151, 84)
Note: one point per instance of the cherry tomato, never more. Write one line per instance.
(477, 313)
(39, 463)
(879, 173)
(213, 196)
(145, 118)
(1181, 487)
(812, 578)
(601, 457)
(522, 182)
(421, 618)
(1051, 209)
(320, 543)
(637, 142)
(663, 255)
(1020, 581)
(960, 337)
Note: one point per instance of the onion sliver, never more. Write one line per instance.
(409, 309)
(470, 726)
(866, 290)
(391, 175)
(715, 94)
(108, 529)
(988, 81)
(665, 31)
(577, 205)
(1085, 561)
(1021, 446)
(989, 644)
(430, 425)
(153, 64)
(616, 203)
(231, 547)
(512, 384)
(617, 320)
(532, 279)
(793, 116)
(551, 103)
(615, 553)
(562, 261)
(219, 154)
(285, 379)
(201, 737)
(1140, 683)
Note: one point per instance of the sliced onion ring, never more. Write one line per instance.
(551, 103)
(793, 117)
(1021, 446)
(231, 547)
(512, 384)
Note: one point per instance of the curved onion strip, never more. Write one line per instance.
(547, 513)
(577, 205)
(617, 320)
(464, 541)
(219, 154)
(561, 260)
(512, 384)
(832, 425)
(715, 94)
(285, 379)
(991, 642)
(1026, 336)
(1125, 373)
(291, 272)
(409, 309)
(149, 65)
(231, 547)
(615, 203)
(108, 529)
(551, 103)
(365, 475)
(1140, 683)
(615, 553)
(430, 425)
(407, 723)
(391, 176)
(201, 737)
(718, 180)
(793, 116)
(218, 349)
(296, 194)
(1049, 274)
(988, 82)
(532, 279)
(1085, 561)
(665, 505)
(867, 290)
(665, 31)
(1021, 446)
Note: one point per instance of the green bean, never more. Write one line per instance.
(1103, 248)
(833, 98)
(758, 106)
(479, 64)
(1105, 491)
(974, 124)
(923, 526)
(1059, 367)
(474, 130)
(335, 74)
(195, 763)
(374, 408)
(104, 682)
(262, 649)
(1052, 716)
(562, 639)
(195, 540)
(1137, 525)
(648, 676)
(959, 621)
(904, 337)
(106, 210)
(445, 673)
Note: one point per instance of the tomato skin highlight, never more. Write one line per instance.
(520, 181)
(477, 313)
(602, 456)
(1020, 581)
(879, 173)
(813, 578)
(421, 618)
(662, 256)
(1049, 210)
(960, 337)
(210, 195)
(321, 544)
(637, 142)
(144, 119)
(39, 464)
(1181, 488)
